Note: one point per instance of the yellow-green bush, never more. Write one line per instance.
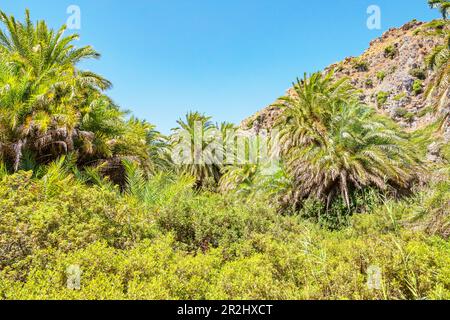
(208, 246)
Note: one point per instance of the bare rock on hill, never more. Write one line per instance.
(395, 67)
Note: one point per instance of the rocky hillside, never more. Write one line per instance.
(392, 76)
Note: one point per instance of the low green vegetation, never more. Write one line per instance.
(409, 117)
(360, 64)
(368, 83)
(400, 96)
(163, 240)
(417, 87)
(382, 98)
(418, 73)
(432, 28)
(425, 111)
(381, 75)
(400, 112)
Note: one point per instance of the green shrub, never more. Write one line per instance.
(417, 87)
(427, 110)
(400, 112)
(251, 278)
(409, 117)
(400, 96)
(198, 245)
(339, 67)
(405, 114)
(432, 28)
(390, 52)
(210, 220)
(382, 98)
(338, 214)
(418, 73)
(71, 218)
(381, 75)
(360, 65)
(368, 83)
(287, 259)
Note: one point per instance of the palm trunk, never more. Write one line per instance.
(17, 152)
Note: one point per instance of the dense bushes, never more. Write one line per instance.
(211, 220)
(204, 246)
(32, 218)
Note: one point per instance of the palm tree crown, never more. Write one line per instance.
(333, 144)
(442, 5)
(49, 107)
(191, 141)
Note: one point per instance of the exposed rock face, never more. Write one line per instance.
(434, 152)
(392, 75)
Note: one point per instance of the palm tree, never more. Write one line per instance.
(237, 177)
(304, 108)
(50, 108)
(247, 165)
(42, 89)
(47, 53)
(198, 148)
(439, 61)
(14, 94)
(334, 145)
(142, 142)
(442, 5)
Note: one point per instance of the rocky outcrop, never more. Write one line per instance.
(392, 76)
(434, 152)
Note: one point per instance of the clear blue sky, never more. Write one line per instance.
(227, 58)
